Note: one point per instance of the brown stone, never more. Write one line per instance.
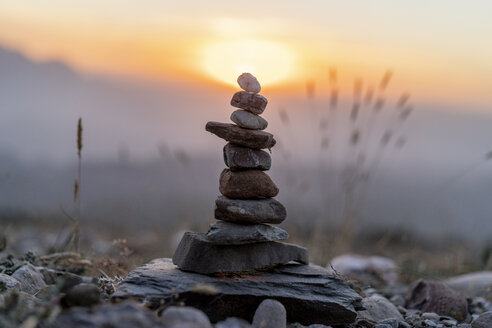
(243, 137)
(248, 184)
(252, 102)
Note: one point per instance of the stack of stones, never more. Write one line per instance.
(243, 239)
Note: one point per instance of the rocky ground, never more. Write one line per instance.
(67, 289)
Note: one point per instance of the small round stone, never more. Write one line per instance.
(248, 83)
(185, 316)
(270, 314)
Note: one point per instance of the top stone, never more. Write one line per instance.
(248, 83)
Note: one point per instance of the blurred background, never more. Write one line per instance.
(382, 114)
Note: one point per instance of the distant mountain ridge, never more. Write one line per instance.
(41, 102)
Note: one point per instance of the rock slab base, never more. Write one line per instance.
(309, 293)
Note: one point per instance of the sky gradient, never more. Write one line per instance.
(439, 50)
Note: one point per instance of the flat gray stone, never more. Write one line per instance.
(249, 211)
(237, 158)
(244, 137)
(248, 120)
(227, 233)
(196, 253)
(270, 314)
(251, 102)
(309, 293)
(7, 283)
(30, 278)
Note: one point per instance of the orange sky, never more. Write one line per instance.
(440, 52)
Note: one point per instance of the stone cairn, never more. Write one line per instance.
(242, 240)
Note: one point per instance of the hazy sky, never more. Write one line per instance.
(440, 50)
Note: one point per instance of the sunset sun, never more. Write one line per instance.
(269, 61)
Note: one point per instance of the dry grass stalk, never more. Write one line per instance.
(74, 240)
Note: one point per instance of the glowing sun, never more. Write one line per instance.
(270, 62)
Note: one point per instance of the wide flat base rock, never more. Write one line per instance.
(196, 253)
(309, 293)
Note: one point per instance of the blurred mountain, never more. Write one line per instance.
(147, 158)
(41, 102)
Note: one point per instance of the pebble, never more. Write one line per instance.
(227, 233)
(240, 158)
(233, 322)
(248, 120)
(31, 280)
(123, 315)
(430, 316)
(184, 316)
(249, 211)
(378, 308)
(82, 295)
(430, 323)
(248, 184)
(249, 83)
(403, 324)
(8, 283)
(252, 102)
(243, 137)
(479, 305)
(434, 296)
(483, 321)
(449, 323)
(398, 301)
(393, 323)
(270, 314)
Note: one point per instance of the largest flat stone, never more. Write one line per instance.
(198, 254)
(309, 293)
(248, 138)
